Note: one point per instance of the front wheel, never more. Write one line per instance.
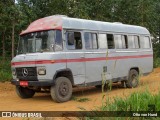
(24, 92)
(62, 90)
(133, 79)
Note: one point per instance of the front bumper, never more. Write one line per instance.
(35, 83)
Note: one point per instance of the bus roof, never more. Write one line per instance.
(60, 22)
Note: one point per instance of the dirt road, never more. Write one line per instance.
(9, 101)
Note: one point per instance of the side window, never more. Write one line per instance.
(124, 41)
(110, 41)
(102, 39)
(136, 41)
(58, 41)
(145, 42)
(91, 40)
(74, 40)
(94, 40)
(118, 41)
(131, 43)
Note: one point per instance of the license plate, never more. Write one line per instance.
(23, 83)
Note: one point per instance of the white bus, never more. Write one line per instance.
(57, 53)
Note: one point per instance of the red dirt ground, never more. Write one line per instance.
(43, 102)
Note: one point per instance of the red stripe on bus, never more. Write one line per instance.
(77, 60)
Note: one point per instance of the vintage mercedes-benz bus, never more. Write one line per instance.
(57, 53)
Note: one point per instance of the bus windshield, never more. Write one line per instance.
(43, 41)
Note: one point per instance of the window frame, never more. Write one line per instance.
(120, 39)
(138, 41)
(111, 33)
(98, 33)
(150, 44)
(132, 41)
(104, 33)
(61, 39)
(126, 41)
(91, 32)
(66, 38)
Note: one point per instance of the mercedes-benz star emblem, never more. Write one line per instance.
(24, 72)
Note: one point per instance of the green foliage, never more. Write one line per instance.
(157, 62)
(5, 70)
(156, 48)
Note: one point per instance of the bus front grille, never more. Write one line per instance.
(27, 73)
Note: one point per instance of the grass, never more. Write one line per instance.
(5, 70)
(135, 102)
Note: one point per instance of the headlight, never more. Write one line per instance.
(14, 72)
(41, 71)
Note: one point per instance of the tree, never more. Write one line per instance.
(17, 16)
(3, 26)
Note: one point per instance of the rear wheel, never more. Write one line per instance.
(62, 90)
(133, 79)
(24, 92)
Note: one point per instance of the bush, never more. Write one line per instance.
(5, 70)
(156, 52)
(156, 62)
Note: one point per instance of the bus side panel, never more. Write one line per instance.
(146, 63)
(129, 59)
(96, 62)
(76, 63)
(118, 64)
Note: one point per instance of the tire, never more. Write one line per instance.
(62, 90)
(24, 92)
(133, 79)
